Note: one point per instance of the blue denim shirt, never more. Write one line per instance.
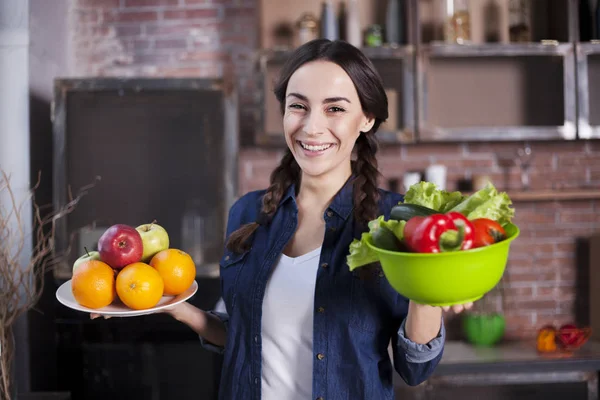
(354, 320)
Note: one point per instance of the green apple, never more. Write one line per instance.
(154, 238)
(90, 255)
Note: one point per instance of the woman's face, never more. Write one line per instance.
(323, 118)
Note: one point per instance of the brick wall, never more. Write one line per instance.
(206, 37)
(177, 38)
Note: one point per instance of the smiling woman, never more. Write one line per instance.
(299, 323)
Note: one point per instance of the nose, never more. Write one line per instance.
(315, 124)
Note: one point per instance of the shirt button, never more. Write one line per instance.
(320, 356)
(256, 381)
(320, 398)
(324, 265)
(332, 229)
(321, 309)
(226, 258)
(330, 213)
(381, 274)
(256, 339)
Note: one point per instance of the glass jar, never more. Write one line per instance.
(374, 36)
(308, 28)
(198, 236)
(519, 19)
(457, 26)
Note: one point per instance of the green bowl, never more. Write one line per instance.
(445, 279)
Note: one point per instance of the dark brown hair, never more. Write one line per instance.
(374, 103)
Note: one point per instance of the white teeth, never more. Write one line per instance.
(315, 148)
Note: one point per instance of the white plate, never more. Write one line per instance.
(117, 308)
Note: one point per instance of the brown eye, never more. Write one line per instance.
(336, 109)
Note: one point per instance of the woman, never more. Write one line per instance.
(299, 324)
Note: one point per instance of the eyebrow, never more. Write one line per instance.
(326, 101)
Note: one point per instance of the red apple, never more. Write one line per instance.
(120, 245)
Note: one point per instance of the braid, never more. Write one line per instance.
(366, 193)
(287, 173)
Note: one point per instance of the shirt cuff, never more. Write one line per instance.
(209, 346)
(421, 353)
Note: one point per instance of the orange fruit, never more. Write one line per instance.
(176, 268)
(139, 286)
(93, 284)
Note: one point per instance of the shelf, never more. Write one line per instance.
(388, 52)
(508, 133)
(497, 50)
(588, 48)
(555, 195)
(385, 52)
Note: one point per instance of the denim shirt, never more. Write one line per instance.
(355, 318)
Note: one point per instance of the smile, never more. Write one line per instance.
(320, 147)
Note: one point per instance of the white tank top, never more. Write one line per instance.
(287, 328)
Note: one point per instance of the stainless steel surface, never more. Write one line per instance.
(496, 49)
(584, 51)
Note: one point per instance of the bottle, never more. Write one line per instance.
(392, 24)
(457, 28)
(491, 12)
(342, 21)
(353, 31)
(308, 28)
(329, 25)
(519, 21)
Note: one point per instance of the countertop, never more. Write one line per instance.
(515, 357)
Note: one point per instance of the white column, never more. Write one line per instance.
(14, 138)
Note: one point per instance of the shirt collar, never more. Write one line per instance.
(342, 203)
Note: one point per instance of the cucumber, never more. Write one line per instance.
(385, 239)
(404, 212)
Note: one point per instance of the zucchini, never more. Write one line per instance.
(385, 239)
(404, 212)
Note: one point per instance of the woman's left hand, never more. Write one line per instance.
(458, 308)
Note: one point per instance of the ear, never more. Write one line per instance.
(367, 124)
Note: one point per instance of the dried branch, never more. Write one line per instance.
(21, 271)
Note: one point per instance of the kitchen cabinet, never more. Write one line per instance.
(490, 88)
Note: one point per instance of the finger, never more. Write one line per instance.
(446, 308)
(94, 316)
(468, 306)
(457, 308)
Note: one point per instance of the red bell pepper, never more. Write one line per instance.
(439, 233)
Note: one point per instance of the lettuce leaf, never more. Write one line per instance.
(361, 254)
(487, 203)
(396, 227)
(428, 195)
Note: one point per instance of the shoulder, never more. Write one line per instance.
(246, 208)
(388, 199)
